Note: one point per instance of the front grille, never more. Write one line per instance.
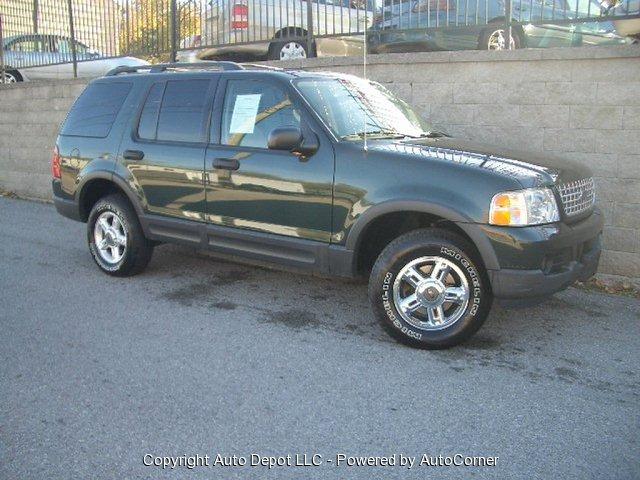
(577, 197)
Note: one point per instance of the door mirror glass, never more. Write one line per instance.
(285, 138)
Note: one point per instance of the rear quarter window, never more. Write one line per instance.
(96, 109)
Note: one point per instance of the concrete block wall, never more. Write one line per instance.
(30, 116)
(581, 103)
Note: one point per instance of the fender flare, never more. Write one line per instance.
(115, 179)
(470, 228)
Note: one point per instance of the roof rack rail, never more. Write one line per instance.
(162, 67)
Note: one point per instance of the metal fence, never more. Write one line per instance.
(68, 32)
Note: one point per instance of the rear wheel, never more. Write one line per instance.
(429, 290)
(289, 50)
(116, 240)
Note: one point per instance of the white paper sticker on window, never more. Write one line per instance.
(245, 110)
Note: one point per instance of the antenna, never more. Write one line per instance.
(364, 73)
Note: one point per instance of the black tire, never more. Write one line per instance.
(137, 248)
(276, 47)
(463, 261)
(12, 76)
(483, 41)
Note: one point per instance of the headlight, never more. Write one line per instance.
(533, 206)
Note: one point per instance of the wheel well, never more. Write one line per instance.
(386, 228)
(495, 20)
(291, 32)
(94, 191)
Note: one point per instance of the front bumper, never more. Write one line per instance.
(539, 261)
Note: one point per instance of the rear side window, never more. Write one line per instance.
(175, 111)
(96, 109)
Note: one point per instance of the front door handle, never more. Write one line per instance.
(133, 154)
(226, 164)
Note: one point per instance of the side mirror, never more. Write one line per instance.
(290, 139)
(285, 138)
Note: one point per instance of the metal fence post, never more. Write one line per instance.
(174, 32)
(309, 26)
(507, 24)
(2, 68)
(72, 32)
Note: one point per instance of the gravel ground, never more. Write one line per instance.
(201, 356)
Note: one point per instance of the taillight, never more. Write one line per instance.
(239, 16)
(55, 164)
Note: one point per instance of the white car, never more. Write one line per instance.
(260, 29)
(28, 57)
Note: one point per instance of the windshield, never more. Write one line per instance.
(351, 106)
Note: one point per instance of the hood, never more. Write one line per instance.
(530, 169)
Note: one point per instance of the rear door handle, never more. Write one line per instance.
(226, 164)
(133, 154)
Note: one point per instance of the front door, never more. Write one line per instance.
(251, 187)
(165, 152)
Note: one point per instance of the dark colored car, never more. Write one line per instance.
(323, 173)
(418, 25)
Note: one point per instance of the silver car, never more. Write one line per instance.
(50, 56)
(278, 30)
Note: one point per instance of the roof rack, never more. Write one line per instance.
(163, 67)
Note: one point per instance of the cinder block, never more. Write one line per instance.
(497, 115)
(475, 93)
(601, 164)
(620, 92)
(626, 215)
(620, 263)
(452, 114)
(620, 239)
(432, 93)
(602, 70)
(629, 167)
(561, 140)
(601, 117)
(544, 115)
(616, 141)
(631, 118)
(570, 93)
(522, 92)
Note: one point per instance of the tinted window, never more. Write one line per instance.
(96, 109)
(183, 111)
(252, 109)
(148, 126)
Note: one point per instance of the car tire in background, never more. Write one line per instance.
(292, 49)
(429, 289)
(494, 38)
(11, 76)
(116, 240)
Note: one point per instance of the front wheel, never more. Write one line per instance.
(10, 76)
(494, 37)
(429, 289)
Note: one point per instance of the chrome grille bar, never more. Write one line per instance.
(577, 197)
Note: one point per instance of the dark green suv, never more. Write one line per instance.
(323, 173)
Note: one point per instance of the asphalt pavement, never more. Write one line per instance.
(198, 356)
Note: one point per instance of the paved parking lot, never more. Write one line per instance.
(200, 356)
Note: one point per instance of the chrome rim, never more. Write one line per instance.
(292, 50)
(431, 293)
(498, 41)
(8, 78)
(110, 237)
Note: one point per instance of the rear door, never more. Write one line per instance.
(165, 151)
(254, 188)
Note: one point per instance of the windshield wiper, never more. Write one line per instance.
(375, 133)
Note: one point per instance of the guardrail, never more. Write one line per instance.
(57, 32)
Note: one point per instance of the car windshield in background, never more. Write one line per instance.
(351, 107)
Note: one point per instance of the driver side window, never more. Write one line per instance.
(252, 109)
